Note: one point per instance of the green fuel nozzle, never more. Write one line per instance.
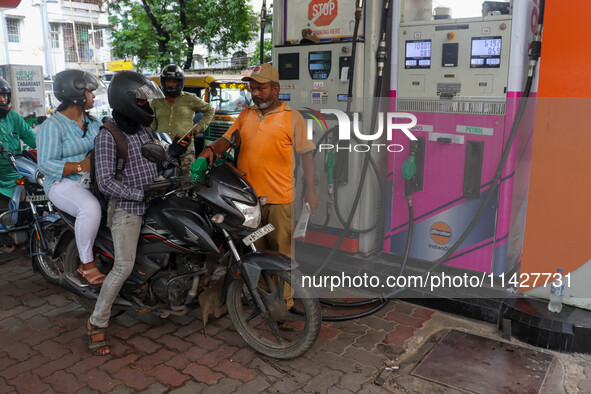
(409, 168)
(198, 169)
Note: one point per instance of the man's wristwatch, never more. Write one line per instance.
(79, 168)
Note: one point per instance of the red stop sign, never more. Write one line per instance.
(322, 12)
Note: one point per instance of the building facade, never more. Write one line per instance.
(56, 34)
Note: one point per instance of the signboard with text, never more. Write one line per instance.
(328, 19)
(28, 92)
(119, 65)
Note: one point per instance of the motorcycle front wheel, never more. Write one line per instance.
(51, 268)
(286, 331)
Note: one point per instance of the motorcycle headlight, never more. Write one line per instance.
(39, 177)
(252, 214)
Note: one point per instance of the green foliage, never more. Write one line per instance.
(268, 51)
(159, 32)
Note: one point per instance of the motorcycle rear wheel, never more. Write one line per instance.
(284, 333)
(51, 268)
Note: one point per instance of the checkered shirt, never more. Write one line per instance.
(137, 173)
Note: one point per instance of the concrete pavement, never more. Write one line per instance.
(43, 350)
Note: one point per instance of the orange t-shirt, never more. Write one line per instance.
(266, 150)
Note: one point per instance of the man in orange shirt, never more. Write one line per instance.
(270, 131)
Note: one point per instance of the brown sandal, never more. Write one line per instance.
(93, 276)
(96, 346)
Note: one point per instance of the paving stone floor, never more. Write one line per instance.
(43, 349)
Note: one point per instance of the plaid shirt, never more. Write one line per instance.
(137, 173)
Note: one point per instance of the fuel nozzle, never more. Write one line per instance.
(409, 170)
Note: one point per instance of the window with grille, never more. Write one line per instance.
(54, 31)
(85, 41)
(12, 28)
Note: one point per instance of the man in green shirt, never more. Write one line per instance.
(174, 113)
(13, 129)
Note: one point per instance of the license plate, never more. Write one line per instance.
(38, 197)
(261, 232)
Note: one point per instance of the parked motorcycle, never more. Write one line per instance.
(30, 216)
(198, 237)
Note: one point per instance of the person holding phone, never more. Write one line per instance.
(175, 111)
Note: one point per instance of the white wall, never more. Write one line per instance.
(30, 48)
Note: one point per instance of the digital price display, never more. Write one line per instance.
(319, 64)
(486, 52)
(418, 54)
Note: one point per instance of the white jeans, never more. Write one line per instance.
(81, 203)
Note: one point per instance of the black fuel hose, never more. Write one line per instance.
(534, 55)
(368, 159)
(381, 56)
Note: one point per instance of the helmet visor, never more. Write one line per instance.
(148, 91)
(93, 84)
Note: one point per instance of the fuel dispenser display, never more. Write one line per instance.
(315, 78)
(463, 80)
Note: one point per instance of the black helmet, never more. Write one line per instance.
(125, 89)
(172, 71)
(69, 86)
(5, 89)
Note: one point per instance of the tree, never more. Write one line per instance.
(268, 43)
(268, 52)
(159, 32)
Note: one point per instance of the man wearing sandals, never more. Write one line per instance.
(129, 93)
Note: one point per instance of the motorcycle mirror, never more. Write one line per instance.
(235, 139)
(154, 152)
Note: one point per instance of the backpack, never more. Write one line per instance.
(121, 144)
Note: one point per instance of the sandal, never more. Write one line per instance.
(96, 346)
(93, 276)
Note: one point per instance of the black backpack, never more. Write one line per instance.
(121, 144)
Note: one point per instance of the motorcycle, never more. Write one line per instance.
(30, 217)
(197, 239)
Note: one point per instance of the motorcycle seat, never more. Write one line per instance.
(69, 219)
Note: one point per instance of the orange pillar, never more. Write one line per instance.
(557, 229)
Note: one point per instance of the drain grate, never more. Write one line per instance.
(481, 365)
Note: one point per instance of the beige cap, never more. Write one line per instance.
(308, 37)
(263, 73)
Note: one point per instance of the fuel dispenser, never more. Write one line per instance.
(319, 49)
(463, 80)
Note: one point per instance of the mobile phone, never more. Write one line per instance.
(186, 134)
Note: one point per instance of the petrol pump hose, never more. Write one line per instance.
(534, 55)
(381, 56)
